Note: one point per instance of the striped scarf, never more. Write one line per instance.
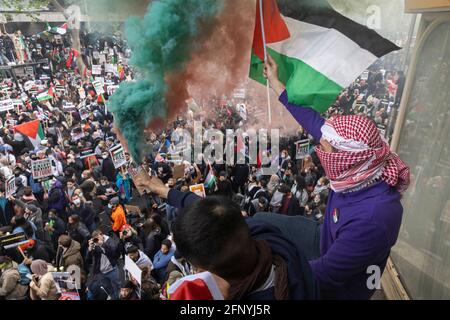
(362, 156)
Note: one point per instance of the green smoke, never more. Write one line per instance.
(162, 43)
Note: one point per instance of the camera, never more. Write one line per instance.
(95, 240)
(125, 232)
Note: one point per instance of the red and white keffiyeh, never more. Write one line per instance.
(363, 156)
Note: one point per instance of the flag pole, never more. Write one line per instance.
(261, 15)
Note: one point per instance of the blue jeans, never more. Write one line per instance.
(113, 277)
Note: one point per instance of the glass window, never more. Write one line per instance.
(422, 254)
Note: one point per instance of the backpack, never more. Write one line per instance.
(24, 272)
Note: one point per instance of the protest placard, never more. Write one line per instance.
(13, 240)
(96, 69)
(302, 149)
(28, 85)
(139, 176)
(60, 88)
(10, 187)
(84, 113)
(133, 269)
(198, 189)
(6, 105)
(82, 93)
(98, 86)
(77, 134)
(87, 152)
(41, 169)
(118, 156)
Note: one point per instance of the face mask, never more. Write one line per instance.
(105, 156)
(77, 202)
(110, 206)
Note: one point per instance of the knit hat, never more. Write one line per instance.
(39, 267)
(114, 201)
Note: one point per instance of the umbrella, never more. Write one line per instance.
(6, 147)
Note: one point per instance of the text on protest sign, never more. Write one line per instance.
(10, 188)
(302, 149)
(41, 169)
(96, 69)
(198, 189)
(6, 105)
(118, 156)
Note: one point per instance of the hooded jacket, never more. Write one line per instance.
(10, 288)
(56, 197)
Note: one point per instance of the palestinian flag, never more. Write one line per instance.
(46, 95)
(62, 30)
(33, 131)
(319, 52)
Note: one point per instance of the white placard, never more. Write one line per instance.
(41, 169)
(98, 87)
(198, 189)
(6, 105)
(96, 69)
(133, 269)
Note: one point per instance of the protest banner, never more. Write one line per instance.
(10, 187)
(41, 169)
(198, 189)
(96, 69)
(6, 105)
(302, 149)
(118, 156)
(13, 240)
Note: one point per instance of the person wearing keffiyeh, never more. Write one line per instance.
(364, 211)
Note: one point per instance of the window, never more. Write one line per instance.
(422, 254)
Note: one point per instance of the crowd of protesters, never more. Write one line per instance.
(89, 214)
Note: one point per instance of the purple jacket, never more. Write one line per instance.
(367, 226)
